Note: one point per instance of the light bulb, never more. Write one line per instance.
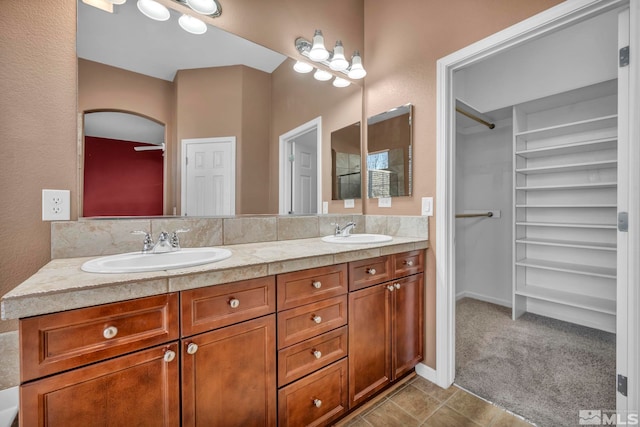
(322, 75)
(204, 7)
(318, 52)
(356, 71)
(340, 82)
(338, 61)
(192, 25)
(302, 67)
(154, 10)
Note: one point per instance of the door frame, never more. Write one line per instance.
(562, 15)
(183, 169)
(284, 172)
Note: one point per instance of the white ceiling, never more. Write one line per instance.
(124, 127)
(128, 39)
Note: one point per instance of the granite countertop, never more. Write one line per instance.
(61, 284)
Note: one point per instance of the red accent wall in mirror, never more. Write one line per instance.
(119, 181)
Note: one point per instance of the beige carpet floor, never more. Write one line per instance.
(543, 369)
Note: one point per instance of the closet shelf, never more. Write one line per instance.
(569, 128)
(588, 186)
(607, 206)
(568, 244)
(576, 147)
(569, 168)
(567, 225)
(585, 270)
(601, 305)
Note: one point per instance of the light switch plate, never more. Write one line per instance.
(427, 206)
(349, 204)
(56, 205)
(384, 202)
(325, 207)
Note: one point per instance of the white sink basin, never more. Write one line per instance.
(135, 262)
(356, 239)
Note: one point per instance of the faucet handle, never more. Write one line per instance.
(147, 244)
(175, 240)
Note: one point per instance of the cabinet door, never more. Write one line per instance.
(369, 342)
(229, 379)
(139, 389)
(407, 331)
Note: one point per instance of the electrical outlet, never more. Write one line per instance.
(384, 202)
(349, 203)
(56, 205)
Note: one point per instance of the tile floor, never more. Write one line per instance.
(418, 402)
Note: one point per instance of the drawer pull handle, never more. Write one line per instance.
(169, 355)
(391, 288)
(110, 332)
(397, 285)
(317, 284)
(317, 319)
(317, 354)
(371, 271)
(192, 348)
(317, 403)
(234, 303)
(409, 263)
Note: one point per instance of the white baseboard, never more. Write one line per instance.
(427, 373)
(485, 298)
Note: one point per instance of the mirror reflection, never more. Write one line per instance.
(238, 91)
(389, 153)
(346, 179)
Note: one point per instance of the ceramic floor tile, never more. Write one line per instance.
(447, 417)
(505, 419)
(389, 415)
(473, 408)
(438, 393)
(356, 422)
(416, 402)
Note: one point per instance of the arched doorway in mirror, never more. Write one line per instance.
(123, 165)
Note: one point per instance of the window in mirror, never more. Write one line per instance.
(346, 178)
(389, 153)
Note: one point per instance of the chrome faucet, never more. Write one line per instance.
(175, 240)
(147, 244)
(346, 230)
(162, 245)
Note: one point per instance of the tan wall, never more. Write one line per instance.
(37, 129)
(401, 66)
(101, 87)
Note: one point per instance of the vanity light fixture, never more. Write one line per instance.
(192, 25)
(154, 10)
(203, 7)
(334, 60)
(322, 75)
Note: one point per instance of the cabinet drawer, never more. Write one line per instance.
(304, 322)
(213, 307)
(315, 400)
(56, 342)
(301, 359)
(307, 286)
(408, 263)
(368, 272)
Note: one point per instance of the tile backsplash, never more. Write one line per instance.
(94, 237)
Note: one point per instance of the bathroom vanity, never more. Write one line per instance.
(297, 337)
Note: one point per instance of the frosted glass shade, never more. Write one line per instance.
(204, 7)
(338, 62)
(318, 52)
(192, 25)
(322, 75)
(154, 10)
(302, 67)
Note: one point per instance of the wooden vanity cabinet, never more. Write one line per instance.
(386, 332)
(102, 365)
(229, 364)
(312, 346)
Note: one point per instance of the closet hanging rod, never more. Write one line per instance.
(475, 215)
(476, 118)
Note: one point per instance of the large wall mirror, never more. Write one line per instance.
(346, 159)
(192, 88)
(389, 153)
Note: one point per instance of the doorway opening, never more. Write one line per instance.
(300, 168)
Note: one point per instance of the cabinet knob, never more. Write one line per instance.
(391, 288)
(317, 284)
(192, 348)
(317, 319)
(408, 263)
(317, 403)
(371, 271)
(397, 285)
(234, 302)
(110, 332)
(169, 355)
(317, 354)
